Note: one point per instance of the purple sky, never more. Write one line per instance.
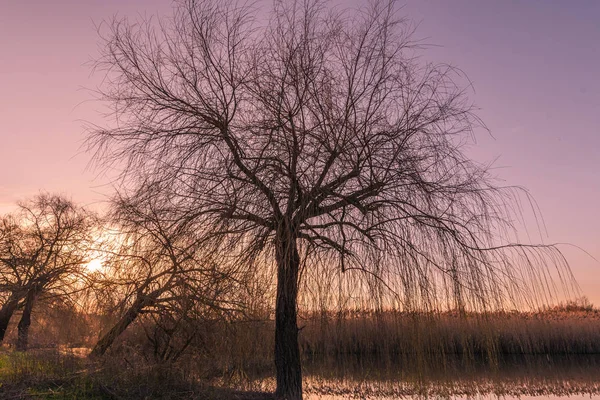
(534, 66)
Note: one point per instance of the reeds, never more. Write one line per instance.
(552, 331)
(390, 347)
(386, 335)
(418, 345)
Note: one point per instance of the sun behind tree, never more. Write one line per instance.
(94, 265)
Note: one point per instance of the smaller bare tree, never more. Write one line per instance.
(44, 247)
(157, 265)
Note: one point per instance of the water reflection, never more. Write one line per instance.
(476, 397)
(523, 377)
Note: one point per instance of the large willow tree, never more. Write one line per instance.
(314, 138)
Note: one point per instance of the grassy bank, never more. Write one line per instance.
(51, 374)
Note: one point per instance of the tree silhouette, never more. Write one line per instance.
(316, 138)
(44, 247)
(152, 261)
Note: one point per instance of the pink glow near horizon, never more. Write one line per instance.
(533, 65)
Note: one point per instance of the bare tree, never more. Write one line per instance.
(11, 287)
(155, 264)
(44, 247)
(315, 139)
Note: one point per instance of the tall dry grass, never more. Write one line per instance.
(418, 342)
(449, 349)
(551, 331)
(356, 344)
(242, 344)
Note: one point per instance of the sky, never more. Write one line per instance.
(533, 64)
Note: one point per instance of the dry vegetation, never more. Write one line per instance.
(566, 329)
(380, 352)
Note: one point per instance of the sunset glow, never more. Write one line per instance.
(186, 185)
(533, 68)
(94, 265)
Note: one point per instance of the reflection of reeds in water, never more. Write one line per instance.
(361, 378)
(512, 376)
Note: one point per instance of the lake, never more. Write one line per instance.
(512, 377)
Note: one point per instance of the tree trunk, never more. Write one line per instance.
(6, 313)
(25, 322)
(287, 353)
(132, 313)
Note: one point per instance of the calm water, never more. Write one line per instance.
(477, 397)
(533, 377)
